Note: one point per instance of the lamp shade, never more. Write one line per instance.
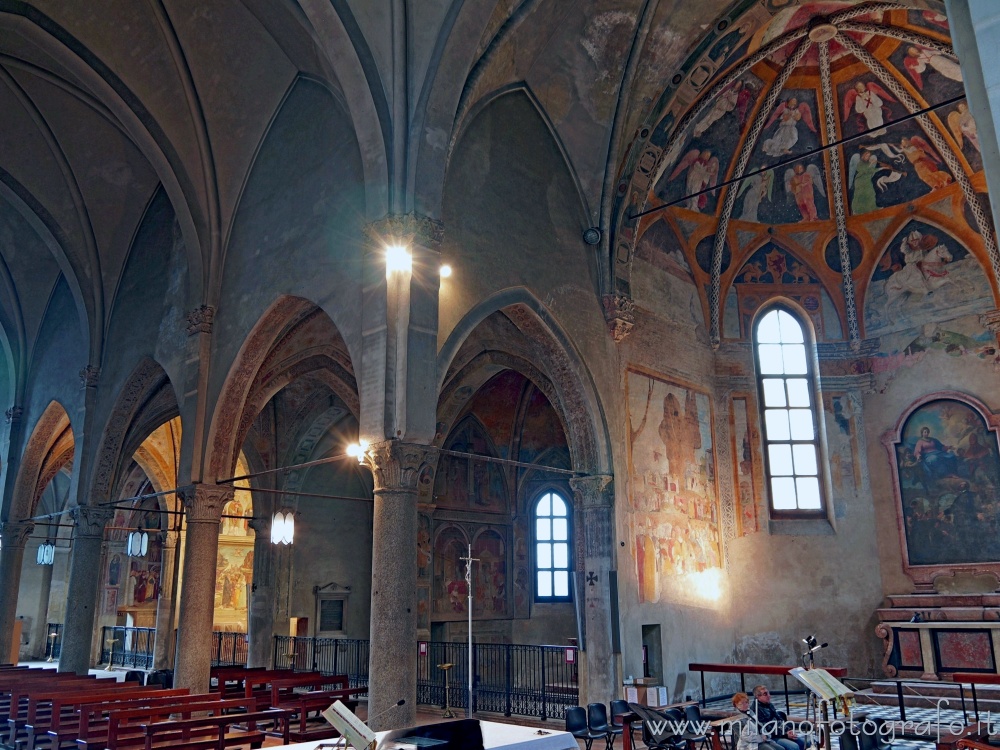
(46, 553)
(283, 527)
(138, 543)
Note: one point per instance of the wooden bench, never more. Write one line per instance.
(76, 713)
(258, 684)
(124, 727)
(14, 712)
(228, 681)
(214, 731)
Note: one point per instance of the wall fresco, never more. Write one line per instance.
(234, 564)
(469, 484)
(746, 465)
(450, 590)
(923, 276)
(948, 471)
(673, 500)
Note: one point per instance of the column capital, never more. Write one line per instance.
(203, 503)
(619, 313)
(596, 491)
(406, 229)
(90, 376)
(169, 539)
(14, 414)
(15, 534)
(395, 465)
(90, 520)
(200, 320)
(260, 525)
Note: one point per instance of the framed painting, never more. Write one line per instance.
(945, 459)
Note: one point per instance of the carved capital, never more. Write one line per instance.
(90, 520)
(200, 320)
(619, 312)
(203, 503)
(406, 229)
(14, 534)
(395, 465)
(593, 492)
(90, 376)
(14, 414)
(260, 525)
(990, 320)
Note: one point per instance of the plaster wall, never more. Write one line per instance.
(298, 226)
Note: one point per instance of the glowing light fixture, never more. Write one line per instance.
(138, 543)
(283, 527)
(46, 553)
(397, 258)
(445, 271)
(358, 450)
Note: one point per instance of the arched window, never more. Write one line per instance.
(787, 387)
(552, 558)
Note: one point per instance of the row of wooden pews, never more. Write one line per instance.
(40, 708)
(303, 694)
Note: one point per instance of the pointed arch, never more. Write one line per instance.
(41, 456)
(574, 394)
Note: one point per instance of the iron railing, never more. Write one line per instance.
(507, 678)
(127, 647)
(53, 640)
(229, 649)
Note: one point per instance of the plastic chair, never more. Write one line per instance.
(694, 722)
(597, 721)
(616, 726)
(872, 736)
(576, 724)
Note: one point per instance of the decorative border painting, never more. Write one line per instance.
(746, 464)
(945, 458)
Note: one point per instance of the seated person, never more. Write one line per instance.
(747, 731)
(773, 722)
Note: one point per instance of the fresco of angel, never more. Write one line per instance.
(788, 114)
(738, 99)
(921, 155)
(800, 182)
(756, 187)
(702, 172)
(863, 174)
(917, 61)
(962, 125)
(868, 102)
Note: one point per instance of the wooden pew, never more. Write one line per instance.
(190, 733)
(15, 697)
(258, 684)
(69, 713)
(311, 693)
(229, 680)
(124, 728)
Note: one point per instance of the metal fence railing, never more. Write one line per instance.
(127, 647)
(507, 678)
(53, 640)
(229, 649)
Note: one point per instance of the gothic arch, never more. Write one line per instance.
(263, 366)
(574, 395)
(37, 457)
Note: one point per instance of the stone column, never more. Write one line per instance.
(203, 504)
(593, 497)
(163, 646)
(393, 662)
(13, 538)
(40, 629)
(260, 614)
(84, 584)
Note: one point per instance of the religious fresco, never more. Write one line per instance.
(489, 579)
(948, 474)
(771, 271)
(924, 275)
(466, 483)
(889, 170)
(134, 581)
(449, 589)
(234, 564)
(747, 465)
(423, 546)
(673, 500)
(522, 578)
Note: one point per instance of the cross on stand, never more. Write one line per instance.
(468, 587)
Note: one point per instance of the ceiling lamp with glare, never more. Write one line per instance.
(397, 258)
(283, 527)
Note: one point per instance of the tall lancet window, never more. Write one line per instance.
(786, 381)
